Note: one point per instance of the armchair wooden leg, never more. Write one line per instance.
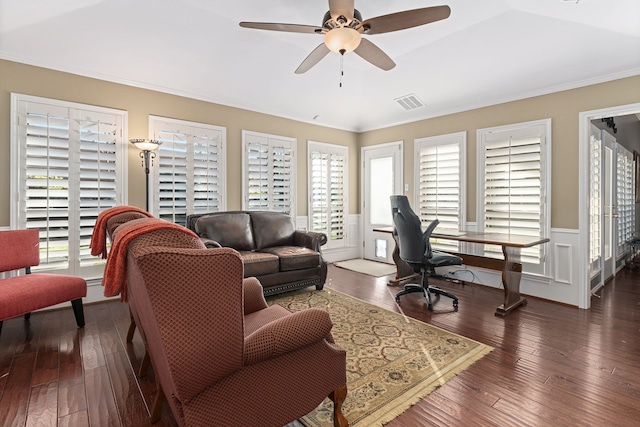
(338, 396)
(144, 365)
(132, 328)
(158, 403)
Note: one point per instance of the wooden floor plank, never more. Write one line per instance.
(101, 402)
(15, 399)
(43, 405)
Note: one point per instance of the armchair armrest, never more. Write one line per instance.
(309, 239)
(287, 334)
(253, 295)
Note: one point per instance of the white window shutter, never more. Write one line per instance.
(319, 182)
(99, 185)
(595, 166)
(269, 172)
(190, 174)
(337, 191)
(327, 191)
(439, 184)
(70, 169)
(514, 196)
(625, 197)
(257, 176)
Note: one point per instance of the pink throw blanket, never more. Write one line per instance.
(98, 243)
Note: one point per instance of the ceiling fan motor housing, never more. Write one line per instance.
(329, 23)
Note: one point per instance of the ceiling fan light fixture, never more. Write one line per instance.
(342, 39)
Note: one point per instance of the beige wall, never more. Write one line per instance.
(562, 107)
(141, 103)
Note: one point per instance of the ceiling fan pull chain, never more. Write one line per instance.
(341, 68)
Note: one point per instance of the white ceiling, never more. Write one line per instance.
(486, 52)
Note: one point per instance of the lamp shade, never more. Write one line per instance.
(145, 144)
(342, 39)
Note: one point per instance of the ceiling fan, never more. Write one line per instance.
(342, 27)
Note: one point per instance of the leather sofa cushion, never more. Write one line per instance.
(259, 263)
(231, 230)
(272, 229)
(294, 257)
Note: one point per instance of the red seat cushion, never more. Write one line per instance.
(23, 294)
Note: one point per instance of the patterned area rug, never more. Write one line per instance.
(372, 268)
(393, 361)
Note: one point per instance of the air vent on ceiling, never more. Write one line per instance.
(409, 102)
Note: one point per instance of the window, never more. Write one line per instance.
(327, 168)
(440, 184)
(268, 171)
(514, 171)
(190, 177)
(67, 166)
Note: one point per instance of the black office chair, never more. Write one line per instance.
(415, 250)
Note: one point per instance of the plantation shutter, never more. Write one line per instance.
(514, 198)
(625, 196)
(190, 176)
(99, 183)
(595, 192)
(268, 172)
(69, 170)
(172, 175)
(327, 210)
(337, 165)
(439, 165)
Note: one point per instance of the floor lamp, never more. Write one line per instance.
(147, 149)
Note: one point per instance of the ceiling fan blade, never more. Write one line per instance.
(372, 53)
(341, 8)
(403, 20)
(314, 57)
(289, 28)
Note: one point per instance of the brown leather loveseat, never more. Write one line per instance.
(272, 250)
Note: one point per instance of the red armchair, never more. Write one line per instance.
(20, 249)
(222, 356)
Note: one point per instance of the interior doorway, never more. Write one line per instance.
(609, 219)
(381, 178)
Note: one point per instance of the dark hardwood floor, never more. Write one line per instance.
(552, 364)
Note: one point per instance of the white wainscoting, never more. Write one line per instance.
(560, 282)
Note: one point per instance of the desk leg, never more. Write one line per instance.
(403, 270)
(511, 275)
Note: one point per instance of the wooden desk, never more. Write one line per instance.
(510, 266)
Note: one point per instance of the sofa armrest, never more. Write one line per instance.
(309, 239)
(287, 334)
(253, 295)
(210, 244)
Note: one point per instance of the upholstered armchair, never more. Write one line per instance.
(221, 355)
